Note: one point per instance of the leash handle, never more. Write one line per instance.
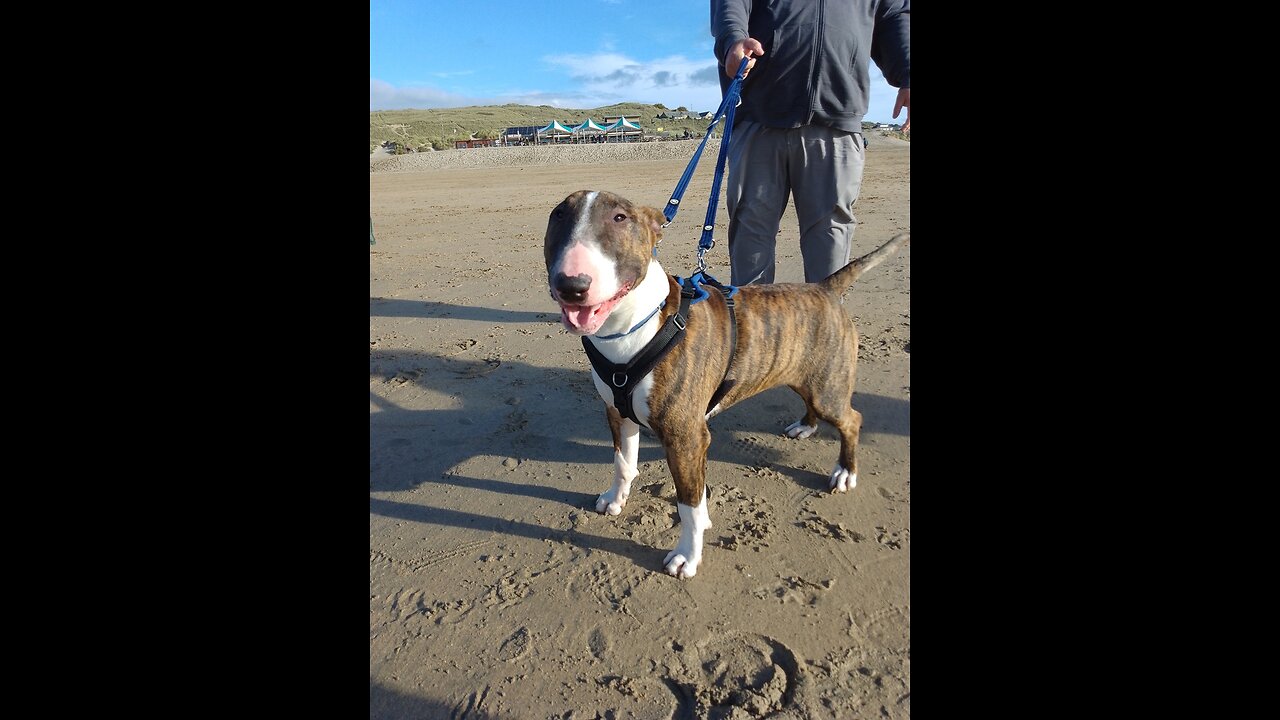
(727, 106)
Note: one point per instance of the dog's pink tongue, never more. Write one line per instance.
(579, 316)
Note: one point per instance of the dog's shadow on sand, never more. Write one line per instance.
(498, 408)
(396, 308)
(386, 703)
(642, 555)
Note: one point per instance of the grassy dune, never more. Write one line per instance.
(423, 127)
(439, 128)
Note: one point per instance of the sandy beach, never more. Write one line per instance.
(495, 588)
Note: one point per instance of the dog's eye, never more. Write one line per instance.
(619, 217)
(558, 213)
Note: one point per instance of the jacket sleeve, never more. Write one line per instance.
(891, 43)
(729, 19)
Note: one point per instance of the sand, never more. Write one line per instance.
(497, 591)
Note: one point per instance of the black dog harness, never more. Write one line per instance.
(624, 377)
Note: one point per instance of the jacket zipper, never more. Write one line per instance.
(817, 61)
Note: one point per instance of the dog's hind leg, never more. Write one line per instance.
(807, 425)
(848, 422)
(626, 451)
(687, 459)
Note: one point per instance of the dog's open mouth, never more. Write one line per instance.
(587, 319)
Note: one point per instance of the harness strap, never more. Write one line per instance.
(624, 377)
(728, 291)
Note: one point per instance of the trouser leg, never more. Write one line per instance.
(756, 192)
(826, 174)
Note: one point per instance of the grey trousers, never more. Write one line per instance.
(820, 167)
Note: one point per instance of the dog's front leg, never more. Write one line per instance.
(626, 452)
(688, 463)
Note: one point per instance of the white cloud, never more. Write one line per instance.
(607, 78)
(590, 81)
(385, 96)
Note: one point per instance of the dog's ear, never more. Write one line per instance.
(655, 218)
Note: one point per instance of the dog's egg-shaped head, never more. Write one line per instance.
(597, 249)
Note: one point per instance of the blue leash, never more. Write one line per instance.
(727, 106)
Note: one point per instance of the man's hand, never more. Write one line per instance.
(904, 101)
(745, 48)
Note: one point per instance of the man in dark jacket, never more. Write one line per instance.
(798, 130)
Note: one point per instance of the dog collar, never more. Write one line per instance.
(637, 326)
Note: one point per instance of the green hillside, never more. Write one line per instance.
(440, 128)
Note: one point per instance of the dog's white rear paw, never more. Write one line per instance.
(611, 502)
(842, 480)
(799, 430)
(678, 565)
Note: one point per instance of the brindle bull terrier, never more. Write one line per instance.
(602, 270)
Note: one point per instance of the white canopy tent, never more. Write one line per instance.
(554, 132)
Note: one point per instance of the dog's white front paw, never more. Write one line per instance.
(679, 564)
(799, 431)
(612, 501)
(684, 560)
(842, 480)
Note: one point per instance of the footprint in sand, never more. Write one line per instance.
(741, 675)
(516, 646)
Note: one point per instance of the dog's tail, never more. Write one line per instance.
(840, 280)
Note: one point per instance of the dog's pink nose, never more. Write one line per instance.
(572, 289)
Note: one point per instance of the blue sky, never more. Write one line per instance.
(577, 55)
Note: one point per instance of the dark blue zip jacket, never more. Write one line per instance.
(817, 55)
